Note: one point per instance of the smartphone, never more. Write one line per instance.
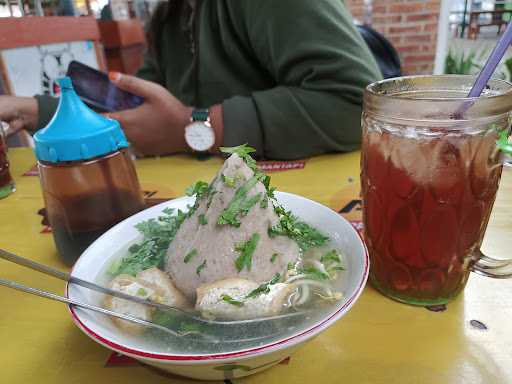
(97, 91)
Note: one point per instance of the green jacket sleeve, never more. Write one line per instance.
(320, 65)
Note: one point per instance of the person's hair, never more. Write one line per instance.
(154, 32)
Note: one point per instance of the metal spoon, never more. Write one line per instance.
(52, 296)
(207, 337)
(162, 307)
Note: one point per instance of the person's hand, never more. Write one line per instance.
(157, 127)
(19, 112)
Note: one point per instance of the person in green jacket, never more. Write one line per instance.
(285, 76)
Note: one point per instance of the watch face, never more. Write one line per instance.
(199, 136)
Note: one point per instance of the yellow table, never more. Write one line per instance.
(379, 341)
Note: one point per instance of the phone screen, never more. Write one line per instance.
(96, 90)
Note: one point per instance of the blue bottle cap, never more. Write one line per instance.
(76, 132)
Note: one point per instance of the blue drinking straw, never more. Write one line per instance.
(492, 62)
(481, 81)
(485, 74)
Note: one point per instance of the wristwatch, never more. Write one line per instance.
(199, 134)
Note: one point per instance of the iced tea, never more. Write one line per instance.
(427, 202)
(429, 179)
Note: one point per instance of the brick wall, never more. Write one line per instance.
(410, 25)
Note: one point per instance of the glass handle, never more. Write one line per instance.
(487, 266)
(504, 144)
(3, 128)
(508, 161)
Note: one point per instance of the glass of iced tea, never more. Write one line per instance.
(6, 181)
(429, 179)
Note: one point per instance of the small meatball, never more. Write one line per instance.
(134, 287)
(171, 295)
(228, 299)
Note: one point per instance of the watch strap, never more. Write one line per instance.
(200, 115)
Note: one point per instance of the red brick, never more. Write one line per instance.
(379, 9)
(423, 38)
(410, 25)
(422, 17)
(395, 19)
(403, 29)
(433, 6)
(379, 19)
(396, 40)
(411, 69)
(406, 8)
(420, 58)
(430, 27)
(408, 48)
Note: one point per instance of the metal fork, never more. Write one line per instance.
(87, 284)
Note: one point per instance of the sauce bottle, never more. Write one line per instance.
(87, 176)
(6, 182)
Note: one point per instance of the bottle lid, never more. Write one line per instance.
(76, 132)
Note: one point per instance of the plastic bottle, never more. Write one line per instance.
(87, 176)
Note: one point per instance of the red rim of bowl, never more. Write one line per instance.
(243, 353)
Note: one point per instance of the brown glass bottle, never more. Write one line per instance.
(86, 198)
(6, 181)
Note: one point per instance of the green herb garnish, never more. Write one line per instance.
(190, 255)
(270, 193)
(264, 288)
(230, 300)
(265, 179)
(332, 261)
(246, 250)
(314, 273)
(199, 188)
(152, 250)
(331, 257)
(202, 219)
(240, 204)
(244, 152)
(274, 257)
(200, 268)
(228, 181)
(177, 321)
(191, 327)
(211, 193)
(305, 235)
(142, 292)
(164, 318)
(503, 144)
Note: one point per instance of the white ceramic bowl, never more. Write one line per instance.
(219, 366)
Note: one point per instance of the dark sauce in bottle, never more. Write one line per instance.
(100, 193)
(5, 175)
(95, 214)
